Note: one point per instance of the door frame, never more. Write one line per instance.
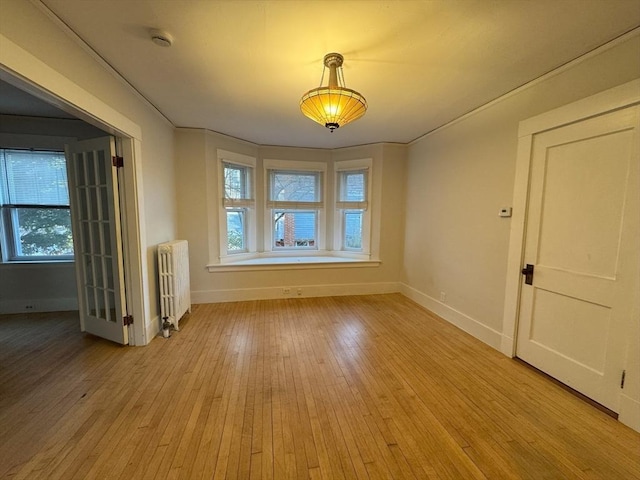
(25, 71)
(625, 95)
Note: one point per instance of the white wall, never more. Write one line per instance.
(24, 24)
(198, 221)
(460, 176)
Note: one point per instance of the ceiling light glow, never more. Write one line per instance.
(334, 105)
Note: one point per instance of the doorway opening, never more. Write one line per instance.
(128, 134)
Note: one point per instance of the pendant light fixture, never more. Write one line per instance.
(334, 105)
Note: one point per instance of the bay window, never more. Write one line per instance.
(290, 211)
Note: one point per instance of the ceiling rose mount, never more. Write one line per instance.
(334, 105)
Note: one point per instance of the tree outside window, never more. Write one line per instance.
(237, 202)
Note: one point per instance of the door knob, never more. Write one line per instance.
(528, 274)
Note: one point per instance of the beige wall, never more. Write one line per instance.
(198, 213)
(460, 176)
(28, 27)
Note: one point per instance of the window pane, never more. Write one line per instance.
(91, 180)
(294, 229)
(235, 182)
(353, 230)
(36, 178)
(352, 188)
(91, 301)
(44, 232)
(103, 167)
(295, 186)
(235, 230)
(98, 264)
(111, 311)
(88, 268)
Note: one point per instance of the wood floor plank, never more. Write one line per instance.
(362, 387)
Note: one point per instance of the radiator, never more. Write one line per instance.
(173, 271)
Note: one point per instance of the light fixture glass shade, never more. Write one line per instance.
(334, 105)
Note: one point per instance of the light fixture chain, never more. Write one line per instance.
(322, 77)
(341, 77)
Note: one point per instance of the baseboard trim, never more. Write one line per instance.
(485, 334)
(508, 346)
(268, 293)
(39, 305)
(629, 412)
(152, 329)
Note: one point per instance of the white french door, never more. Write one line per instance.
(95, 213)
(582, 253)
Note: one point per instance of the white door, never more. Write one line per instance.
(95, 212)
(582, 241)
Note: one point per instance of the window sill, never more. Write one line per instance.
(298, 262)
(36, 263)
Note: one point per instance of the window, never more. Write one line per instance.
(291, 212)
(294, 229)
(295, 202)
(34, 202)
(352, 227)
(352, 206)
(237, 203)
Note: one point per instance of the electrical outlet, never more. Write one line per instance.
(286, 291)
(299, 292)
(505, 212)
(443, 297)
(28, 307)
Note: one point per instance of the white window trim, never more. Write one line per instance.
(250, 206)
(338, 226)
(321, 220)
(328, 255)
(321, 260)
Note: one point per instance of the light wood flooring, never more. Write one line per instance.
(327, 388)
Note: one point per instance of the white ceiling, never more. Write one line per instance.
(240, 67)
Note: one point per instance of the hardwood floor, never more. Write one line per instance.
(326, 388)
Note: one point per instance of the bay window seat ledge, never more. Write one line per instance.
(292, 262)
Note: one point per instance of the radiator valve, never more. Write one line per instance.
(166, 327)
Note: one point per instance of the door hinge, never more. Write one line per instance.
(624, 374)
(127, 320)
(118, 162)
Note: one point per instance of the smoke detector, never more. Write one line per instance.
(161, 38)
